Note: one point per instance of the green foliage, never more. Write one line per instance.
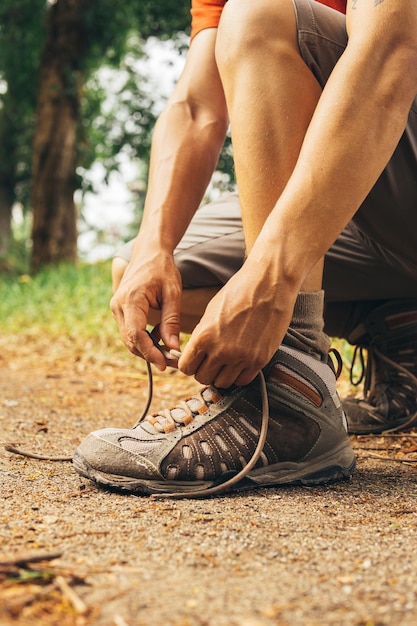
(122, 122)
(108, 23)
(115, 36)
(108, 27)
(21, 35)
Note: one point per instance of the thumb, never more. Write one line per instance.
(169, 326)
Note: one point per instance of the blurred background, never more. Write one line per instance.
(81, 85)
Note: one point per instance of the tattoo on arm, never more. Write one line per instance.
(356, 2)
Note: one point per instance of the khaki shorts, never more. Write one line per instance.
(375, 257)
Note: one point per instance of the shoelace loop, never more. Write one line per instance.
(336, 354)
(357, 353)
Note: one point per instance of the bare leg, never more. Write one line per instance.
(193, 303)
(271, 97)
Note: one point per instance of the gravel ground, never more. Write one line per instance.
(335, 555)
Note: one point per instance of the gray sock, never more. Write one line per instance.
(306, 329)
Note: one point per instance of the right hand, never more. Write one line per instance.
(151, 281)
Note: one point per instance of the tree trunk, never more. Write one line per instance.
(54, 232)
(8, 166)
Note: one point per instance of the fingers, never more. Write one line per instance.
(192, 360)
(208, 372)
(221, 368)
(160, 288)
(230, 375)
(171, 355)
(169, 327)
(132, 325)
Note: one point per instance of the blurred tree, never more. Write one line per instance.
(80, 34)
(54, 232)
(52, 101)
(21, 34)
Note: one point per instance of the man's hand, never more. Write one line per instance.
(241, 329)
(151, 281)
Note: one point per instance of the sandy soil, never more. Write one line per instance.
(74, 555)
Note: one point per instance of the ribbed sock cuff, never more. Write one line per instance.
(306, 329)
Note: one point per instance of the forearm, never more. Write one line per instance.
(186, 144)
(185, 150)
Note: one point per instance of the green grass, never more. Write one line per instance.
(60, 301)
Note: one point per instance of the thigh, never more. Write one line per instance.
(388, 215)
(359, 276)
(322, 37)
(356, 268)
(213, 247)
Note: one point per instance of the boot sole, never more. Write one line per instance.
(338, 465)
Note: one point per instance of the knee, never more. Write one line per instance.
(248, 28)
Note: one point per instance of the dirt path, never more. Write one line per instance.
(339, 555)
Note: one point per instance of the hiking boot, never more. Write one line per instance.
(389, 334)
(187, 450)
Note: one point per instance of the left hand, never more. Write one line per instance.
(241, 329)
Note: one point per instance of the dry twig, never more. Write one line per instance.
(33, 455)
(35, 557)
(73, 598)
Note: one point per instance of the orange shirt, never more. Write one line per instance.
(206, 13)
(339, 5)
